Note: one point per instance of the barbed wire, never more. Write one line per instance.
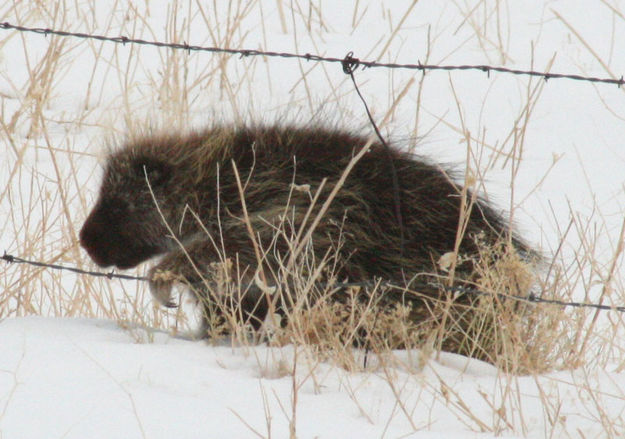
(17, 260)
(531, 298)
(355, 62)
(349, 65)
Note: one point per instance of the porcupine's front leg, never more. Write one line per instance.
(163, 276)
(192, 266)
(209, 277)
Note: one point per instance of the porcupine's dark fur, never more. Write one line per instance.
(191, 179)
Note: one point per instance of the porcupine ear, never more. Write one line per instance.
(157, 171)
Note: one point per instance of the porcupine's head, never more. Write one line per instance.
(146, 185)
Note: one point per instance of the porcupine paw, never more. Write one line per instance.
(161, 285)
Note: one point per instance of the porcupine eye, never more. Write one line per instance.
(156, 171)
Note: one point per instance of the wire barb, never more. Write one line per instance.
(350, 64)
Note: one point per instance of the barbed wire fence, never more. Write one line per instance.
(531, 298)
(355, 62)
(349, 65)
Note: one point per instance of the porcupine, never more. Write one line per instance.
(178, 196)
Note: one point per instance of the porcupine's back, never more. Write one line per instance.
(366, 207)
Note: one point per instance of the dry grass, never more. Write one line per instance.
(49, 137)
(333, 321)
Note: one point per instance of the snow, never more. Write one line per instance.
(79, 378)
(90, 378)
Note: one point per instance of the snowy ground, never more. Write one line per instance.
(549, 151)
(88, 378)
